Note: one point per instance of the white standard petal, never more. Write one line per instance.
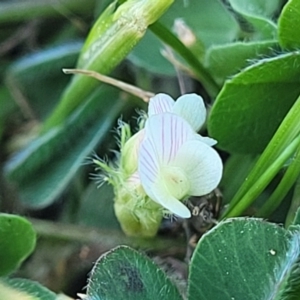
(202, 164)
(148, 166)
(191, 107)
(162, 196)
(160, 103)
(167, 132)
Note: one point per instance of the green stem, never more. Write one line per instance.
(164, 34)
(263, 180)
(283, 188)
(108, 238)
(287, 131)
(16, 11)
(294, 205)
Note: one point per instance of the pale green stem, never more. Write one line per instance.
(107, 237)
(283, 188)
(287, 131)
(262, 182)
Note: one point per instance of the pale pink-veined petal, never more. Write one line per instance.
(202, 164)
(134, 179)
(191, 107)
(160, 103)
(167, 133)
(148, 165)
(153, 184)
(206, 140)
(163, 197)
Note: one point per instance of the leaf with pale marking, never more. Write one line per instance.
(30, 290)
(123, 273)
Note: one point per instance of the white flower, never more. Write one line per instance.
(172, 162)
(189, 106)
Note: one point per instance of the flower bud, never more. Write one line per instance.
(137, 213)
(129, 153)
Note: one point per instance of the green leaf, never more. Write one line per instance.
(254, 102)
(293, 216)
(16, 11)
(123, 273)
(44, 169)
(289, 178)
(7, 107)
(244, 259)
(225, 60)
(297, 217)
(29, 288)
(17, 240)
(6, 103)
(290, 289)
(288, 25)
(38, 77)
(259, 14)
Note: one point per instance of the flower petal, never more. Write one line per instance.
(164, 135)
(161, 196)
(167, 132)
(202, 164)
(152, 182)
(134, 179)
(191, 107)
(148, 165)
(206, 140)
(160, 103)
